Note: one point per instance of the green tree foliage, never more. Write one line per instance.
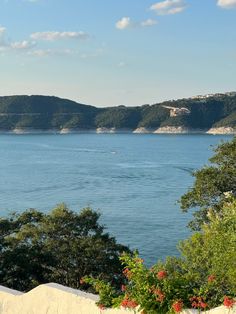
(213, 252)
(44, 112)
(119, 117)
(153, 116)
(212, 184)
(230, 120)
(201, 278)
(62, 246)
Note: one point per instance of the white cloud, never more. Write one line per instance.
(148, 22)
(3, 43)
(40, 52)
(52, 36)
(63, 52)
(51, 52)
(60, 53)
(123, 23)
(2, 30)
(227, 4)
(22, 45)
(168, 7)
(6, 45)
(29, 46)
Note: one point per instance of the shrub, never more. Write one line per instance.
(203, 277)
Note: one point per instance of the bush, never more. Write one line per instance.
(203, 277)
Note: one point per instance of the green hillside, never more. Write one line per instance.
(46, 112)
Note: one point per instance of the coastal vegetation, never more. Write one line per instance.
(45, 113)
(213, 183)
(204, 275)
(61, 246)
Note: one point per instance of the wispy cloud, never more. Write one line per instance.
(40, 52)
(64, 52)
(3, 42)
(23, 45)
(148, 22)
(2, 30)
(2, 37)
(126, 22)
(31, 47)
(227, 4)
(50, 52)
(168, 7)
(54, 35)
(6, 45)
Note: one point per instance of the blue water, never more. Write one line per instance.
(134, 180)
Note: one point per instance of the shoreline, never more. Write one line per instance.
(141, 130)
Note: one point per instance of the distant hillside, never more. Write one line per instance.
(44, 112)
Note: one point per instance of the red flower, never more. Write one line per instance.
(127, 273)
(194, 304)
(211, 278)
(160, 295)
(126, 303)
(101, 306)
(198, 302)
(203, 305)
(161, 274)
(228, 302)
(82, 281)
(177, 306)
(123, 288)
(132, 304)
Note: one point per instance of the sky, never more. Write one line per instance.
(117, 52)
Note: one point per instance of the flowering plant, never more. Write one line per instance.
(165, 288)
(203, 277)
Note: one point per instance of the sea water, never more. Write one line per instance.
(134, 180)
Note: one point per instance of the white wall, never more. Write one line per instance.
(56, 299)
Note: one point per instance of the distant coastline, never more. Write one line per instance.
(211, 114)
(142, 130)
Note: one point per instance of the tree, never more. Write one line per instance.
(62, 246)
(212, 184)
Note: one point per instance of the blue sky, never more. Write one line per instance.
(110, 52)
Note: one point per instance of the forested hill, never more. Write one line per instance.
(45, 112)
